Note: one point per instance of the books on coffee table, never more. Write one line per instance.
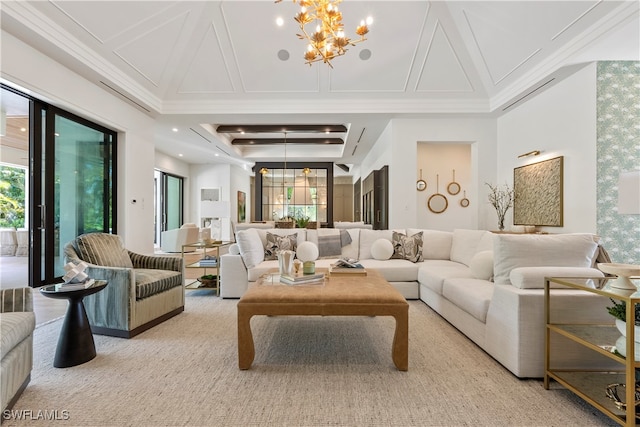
(347, 266)
(302, 279)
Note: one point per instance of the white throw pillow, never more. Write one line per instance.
(251, 248)
(368, 237)
(540, 250)
(382, 249)
(481, 265)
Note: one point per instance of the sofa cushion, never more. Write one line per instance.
(14, 328)
(481, 265)
(471, 295)
(150, 281)
(538, 250)
(301, 233)
(435, 244)
(103, 249)
(533, 277)
(276, 243)
(382, 249)
(466, 243)
(251, 247)
(432, 273)
(394, 270)
(407, 247)
(368, 238)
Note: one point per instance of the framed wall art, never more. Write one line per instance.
(242, 206)
(538, 193)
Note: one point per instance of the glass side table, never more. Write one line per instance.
(75, 343)
(593, 385)
(210, 252)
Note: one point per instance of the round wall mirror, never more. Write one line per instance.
(421, 184)
(453, 188)
(437, 203)
(464, 202)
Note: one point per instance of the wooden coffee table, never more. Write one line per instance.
(369, 295)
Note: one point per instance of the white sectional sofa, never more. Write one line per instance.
(489, 286)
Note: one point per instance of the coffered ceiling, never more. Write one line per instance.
(196, 65)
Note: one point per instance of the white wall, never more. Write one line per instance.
(438, 161)
(560, 121)
(211, 176)
(29, 69)
(240, 181)
(398, 148)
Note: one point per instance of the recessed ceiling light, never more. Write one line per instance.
(279, 21)
(180, 155)
(365, 54)
(216, 154)
(175, 129)
(23, 129)
(283, 55)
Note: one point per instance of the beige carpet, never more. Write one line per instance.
(307, 372)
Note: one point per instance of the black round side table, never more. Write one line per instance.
(75, 344)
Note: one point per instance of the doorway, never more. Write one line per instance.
(71, 180)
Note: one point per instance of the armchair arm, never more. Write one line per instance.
(157, 262)
(16, 300)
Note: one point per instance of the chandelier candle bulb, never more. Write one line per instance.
(328, 41)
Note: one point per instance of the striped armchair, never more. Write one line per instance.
(142, 290)
(17, 322)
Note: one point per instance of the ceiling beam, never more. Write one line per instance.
(271, 141)
(281, 128)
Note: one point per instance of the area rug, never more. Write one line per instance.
(308, 371)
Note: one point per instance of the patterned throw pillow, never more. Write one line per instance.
(407, 247)
(277, 243)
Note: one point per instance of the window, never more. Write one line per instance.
(302, 190)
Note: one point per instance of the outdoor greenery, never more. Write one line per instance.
(12, 197)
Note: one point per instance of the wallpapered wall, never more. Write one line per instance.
(618, 150)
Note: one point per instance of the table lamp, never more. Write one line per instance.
(307, 252)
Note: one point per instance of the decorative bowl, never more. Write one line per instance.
(624, 272)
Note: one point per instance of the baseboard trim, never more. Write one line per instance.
(132, 333)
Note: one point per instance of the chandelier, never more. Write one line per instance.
(328, 41)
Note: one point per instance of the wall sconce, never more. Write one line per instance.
(530, 153)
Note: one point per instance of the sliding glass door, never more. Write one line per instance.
(169, 202)
(74, 186)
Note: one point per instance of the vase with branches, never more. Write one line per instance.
(501, 198)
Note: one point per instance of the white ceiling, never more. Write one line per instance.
(197, 64)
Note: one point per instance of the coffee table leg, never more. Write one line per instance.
(400, 350)
(246, 350)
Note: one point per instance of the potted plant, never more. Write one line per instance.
(501, 198)
(619, 311)
(302, 221)
(207, 280)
